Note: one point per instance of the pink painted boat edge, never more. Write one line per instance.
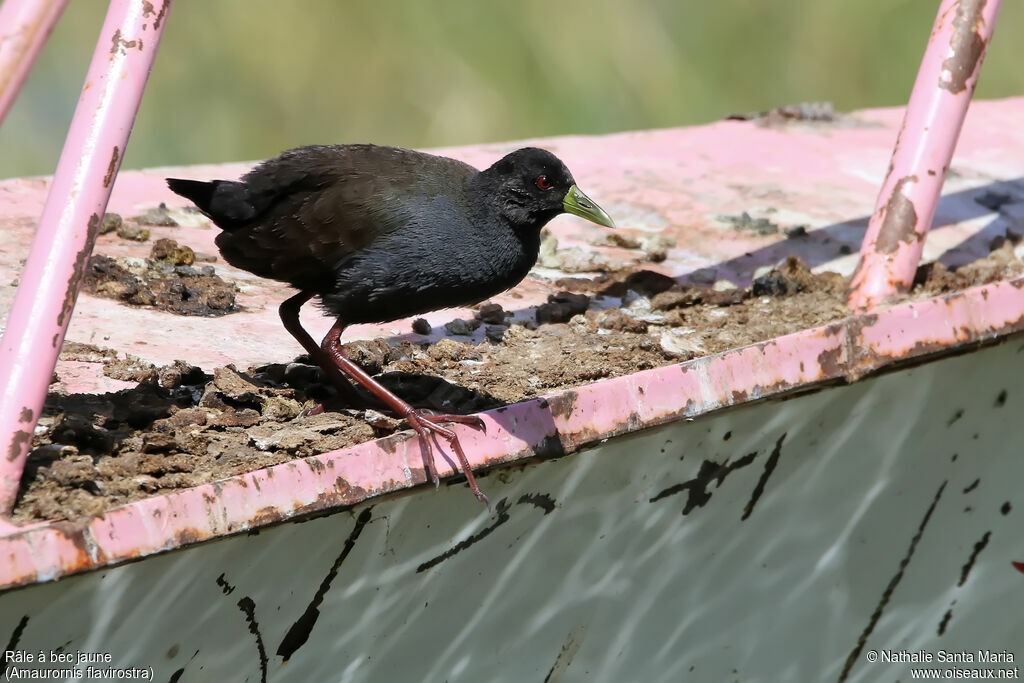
(843, 351)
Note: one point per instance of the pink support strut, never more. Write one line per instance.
(69, 224)
(938, 104)
(24, 27)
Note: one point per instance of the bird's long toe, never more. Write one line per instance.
(427, 425)
(472, 420)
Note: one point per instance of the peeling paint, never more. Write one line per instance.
(343, 493)
(899, 220)
(78, 534)
(81, 260)
(830, 362)
(967, 47)
(389, 444)
(112, 168)
(19, 442)
(562, 404)
(163, 12)
(188, 536)
(120, 45)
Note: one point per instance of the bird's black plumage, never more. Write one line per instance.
(380, 233)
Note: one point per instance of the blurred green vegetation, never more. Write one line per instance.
(245, 79)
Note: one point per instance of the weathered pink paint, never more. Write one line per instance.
(546, 427)
(924, 149)
(24, 27)
(69, 224)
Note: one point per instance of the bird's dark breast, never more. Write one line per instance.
(402, 300)
(421, 276)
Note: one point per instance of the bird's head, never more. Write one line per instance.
(531, 186)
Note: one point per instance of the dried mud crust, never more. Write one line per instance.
(180, 427)
(1002, 263)
(168, 280)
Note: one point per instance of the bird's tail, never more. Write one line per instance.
(198, 191)
(226, 202)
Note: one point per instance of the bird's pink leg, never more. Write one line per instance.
(289, 312)
(421, 421)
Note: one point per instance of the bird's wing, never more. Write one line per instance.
(316, 206)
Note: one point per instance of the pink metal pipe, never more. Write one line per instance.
(938, 104)
(24, 27)
(70, 221)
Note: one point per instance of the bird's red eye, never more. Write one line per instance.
(543, 182)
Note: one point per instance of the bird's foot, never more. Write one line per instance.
(424, 422)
